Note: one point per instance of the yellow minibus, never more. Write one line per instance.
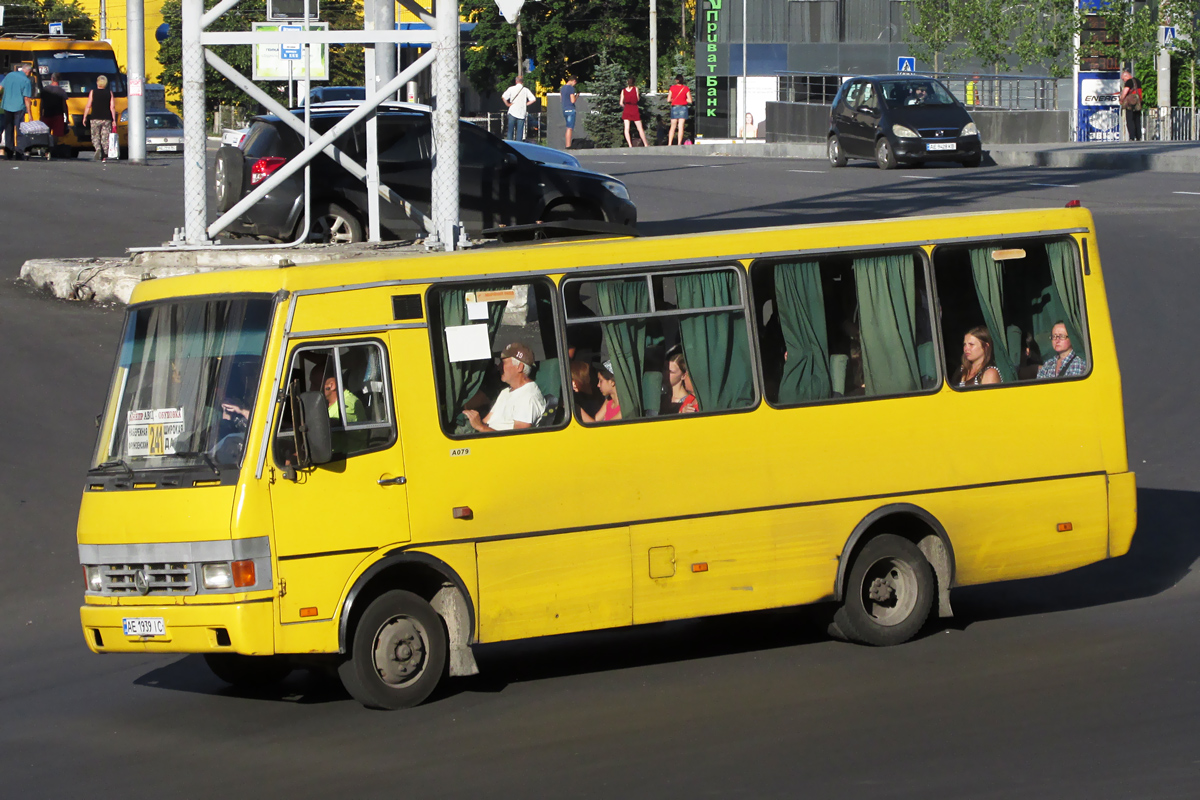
(77, 63)
(382, 462)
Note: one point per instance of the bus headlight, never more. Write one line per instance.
(224, 575)
(93, 579)
(218, 576)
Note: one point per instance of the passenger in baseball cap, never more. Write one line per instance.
(520, 404)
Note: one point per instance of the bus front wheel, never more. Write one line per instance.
(398, 655)
(889, 593)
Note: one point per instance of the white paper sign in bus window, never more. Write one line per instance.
(152, 431)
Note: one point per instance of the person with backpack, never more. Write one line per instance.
(1131, 101)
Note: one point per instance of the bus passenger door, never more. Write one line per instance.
(331, 516)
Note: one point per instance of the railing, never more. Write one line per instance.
(1174, 124)
(974, 90)
(497, 123)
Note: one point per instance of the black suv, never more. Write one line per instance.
(901, 119)
(498, 186)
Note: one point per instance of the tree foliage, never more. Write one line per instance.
(565, 37)
(1046, 36)
(932, 28)
(35, 16)
(345, 61)
(603, 124)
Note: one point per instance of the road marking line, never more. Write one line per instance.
(608, 162)
(1185, 192)
(921, 177)
(1058, 185)
(809, 171)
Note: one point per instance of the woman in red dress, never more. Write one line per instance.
(630, 113)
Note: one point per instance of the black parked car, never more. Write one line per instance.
(901, 119)
(498, 185)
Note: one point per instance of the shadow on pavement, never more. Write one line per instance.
(1164, 549)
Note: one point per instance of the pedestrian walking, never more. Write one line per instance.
(54, 109)
(569, 96)
(630, 113)
(16, 101)
(518, 99)
(1131, 101)
(102, 108)
(681, 98)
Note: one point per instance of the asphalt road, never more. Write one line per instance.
(1081, 685)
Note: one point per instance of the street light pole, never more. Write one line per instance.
(653, 46)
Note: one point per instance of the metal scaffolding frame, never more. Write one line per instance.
(444, 229)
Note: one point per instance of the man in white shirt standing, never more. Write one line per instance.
(520, 405)
(518, 99)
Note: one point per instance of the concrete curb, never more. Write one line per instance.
(1143, 157)
(112, 280)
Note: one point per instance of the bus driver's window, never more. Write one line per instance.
(353, 380)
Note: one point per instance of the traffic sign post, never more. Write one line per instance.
(906, 63)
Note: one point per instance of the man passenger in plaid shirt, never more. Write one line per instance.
(1066, 362)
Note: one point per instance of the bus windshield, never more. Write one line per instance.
(185, 382)
(77, 71)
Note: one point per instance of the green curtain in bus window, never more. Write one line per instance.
(715, 345)
(800, 303)
(887, 305)
(462, 379)
(1066, 287)
(989, 289)
(625, 339)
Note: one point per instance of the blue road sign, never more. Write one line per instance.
(906, 63)
(56, 27)
(290, 52)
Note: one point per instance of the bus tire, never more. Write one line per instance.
(888, 595)
(398, 654)
(248, 672)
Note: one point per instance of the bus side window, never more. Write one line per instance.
(844, 326)
(472, 326)
(355, 383)
(1013, 294)
(635, 328)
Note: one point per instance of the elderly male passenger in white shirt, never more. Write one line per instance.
(521, 404)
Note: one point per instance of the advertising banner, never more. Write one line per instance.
(1099, 110)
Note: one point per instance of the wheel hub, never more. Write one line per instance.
(400, 651)
(889, 591)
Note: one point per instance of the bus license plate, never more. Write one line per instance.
(940, 145)
(144, 626)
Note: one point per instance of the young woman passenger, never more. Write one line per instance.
(587, 394)
(611, 410)
(978, 360)
(683, 391)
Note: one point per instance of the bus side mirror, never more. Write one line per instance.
(314, 445)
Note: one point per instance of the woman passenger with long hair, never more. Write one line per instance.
(978, 359)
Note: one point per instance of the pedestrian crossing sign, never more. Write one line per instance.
(906, 64)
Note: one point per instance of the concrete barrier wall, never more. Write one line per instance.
(805, 122)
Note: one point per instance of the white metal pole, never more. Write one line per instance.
(103, 19)
(385, 54)
(195, 139)
(135, 69)
(742, 99)
(653, 46)
(371, 80)
(445, 128)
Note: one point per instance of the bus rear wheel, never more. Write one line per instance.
(398, 655)
(889, 593)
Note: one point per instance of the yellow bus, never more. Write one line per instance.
(77, 63)
(382, 462)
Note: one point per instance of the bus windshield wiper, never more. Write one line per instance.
(207, 459)
(116, 462)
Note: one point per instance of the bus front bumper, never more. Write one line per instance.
(246, 627)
